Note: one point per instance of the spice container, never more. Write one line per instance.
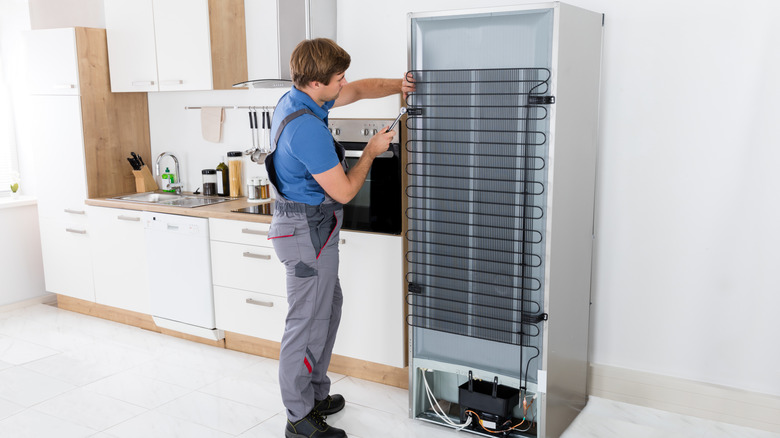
(235, 162)
(253, 189)
(209, 182)
(264, 189)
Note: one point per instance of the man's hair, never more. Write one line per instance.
(317, 60)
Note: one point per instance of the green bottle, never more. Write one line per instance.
(168, 179)
(223, 179)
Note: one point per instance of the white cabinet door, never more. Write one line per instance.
(119, 259)
(247, 267)
(250, 313)
(52, 63)
(67, 261)
(132, 55)
(372, 323)
(183, 40)
(59, 155)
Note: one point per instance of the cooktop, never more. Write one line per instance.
(265, 208)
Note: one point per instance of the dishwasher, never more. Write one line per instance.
(179, 257)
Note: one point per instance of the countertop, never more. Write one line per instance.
(218, 211)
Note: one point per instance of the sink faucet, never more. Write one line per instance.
(178, 185)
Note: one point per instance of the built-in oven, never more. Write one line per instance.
(377, 206)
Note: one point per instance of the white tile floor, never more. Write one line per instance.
(63, 374)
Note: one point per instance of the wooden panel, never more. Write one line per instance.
(220, 343)
(106, 312)
(227, 24)
(113, 123)
(374, 372)
(128, 317)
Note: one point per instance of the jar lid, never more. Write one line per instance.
(209, 171)
(234, 154)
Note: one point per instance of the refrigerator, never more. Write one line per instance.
(502, 136)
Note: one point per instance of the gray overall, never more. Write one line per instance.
(305, 238)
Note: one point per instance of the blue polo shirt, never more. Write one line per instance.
(304, 148)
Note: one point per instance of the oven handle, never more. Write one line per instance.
(358, 154)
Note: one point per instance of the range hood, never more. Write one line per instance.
(296, 20)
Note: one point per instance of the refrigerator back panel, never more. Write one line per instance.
(477, 175)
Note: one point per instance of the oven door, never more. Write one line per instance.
(377, 206)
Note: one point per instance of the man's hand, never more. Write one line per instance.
(379, 143)
(407, 84)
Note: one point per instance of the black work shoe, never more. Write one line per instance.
(331, 404)
(312, 426)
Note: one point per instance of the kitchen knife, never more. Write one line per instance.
(134, 164)
(140, 161)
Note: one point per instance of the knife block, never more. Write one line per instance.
(144, 181)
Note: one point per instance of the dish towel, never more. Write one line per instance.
(211, 118)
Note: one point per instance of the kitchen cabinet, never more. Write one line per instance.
(372, 320)
(250, 289)
(67, 257)
(80, 151)
(119, 259)
(46, 50)
(175, 45)
(249, 280)
(62, 188)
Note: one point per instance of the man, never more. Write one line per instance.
(312, 182)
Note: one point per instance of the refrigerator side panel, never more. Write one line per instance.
(571, 186)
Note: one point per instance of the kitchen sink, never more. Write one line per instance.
(173, 200)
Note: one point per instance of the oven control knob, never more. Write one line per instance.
(365, 131)
(374, 131)
(338, 131)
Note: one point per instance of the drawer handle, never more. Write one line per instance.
(172, 82)
(141, 83)
(68, 210)
(259, 303)
(71, 230)
(128, 218)
(257, 256)
(343, 241)
(251, 231)
(64, 86)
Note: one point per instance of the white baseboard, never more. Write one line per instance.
(43, 299)
(687, 397)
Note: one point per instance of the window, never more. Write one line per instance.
(7, 137)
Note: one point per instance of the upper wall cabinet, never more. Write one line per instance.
(52, 62)
(175, 45)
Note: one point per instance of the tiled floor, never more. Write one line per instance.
(64, 374)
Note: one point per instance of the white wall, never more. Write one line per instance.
(687, 202)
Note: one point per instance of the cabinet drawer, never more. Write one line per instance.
(252, 268)
(250, 313)
(247, 233)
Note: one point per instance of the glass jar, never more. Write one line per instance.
(235, 162)
(209, 182)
